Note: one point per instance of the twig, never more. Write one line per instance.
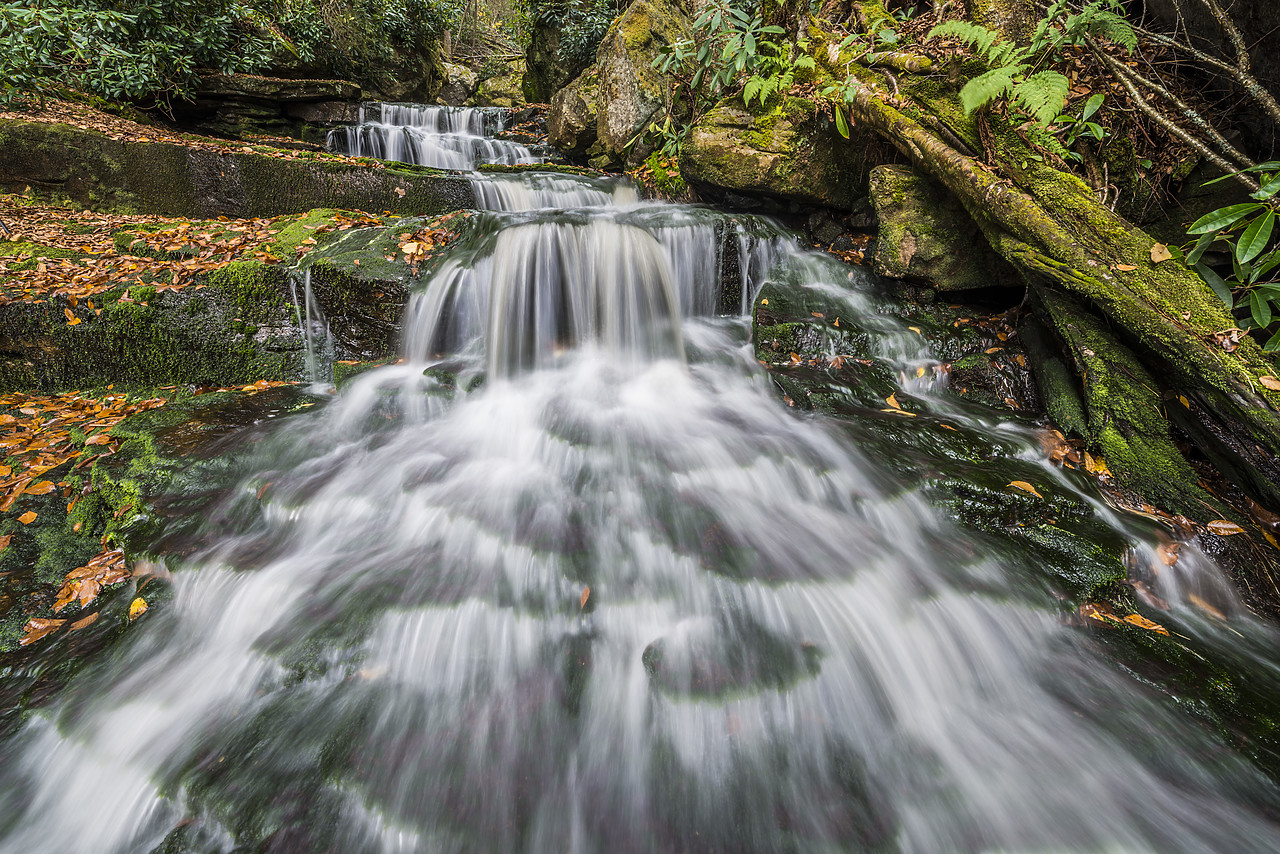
(1172, 127)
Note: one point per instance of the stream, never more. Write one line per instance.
(573, 576)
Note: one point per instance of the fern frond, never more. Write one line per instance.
(985, 88)
(1043, 95)
(1114, 27)
(975, 36)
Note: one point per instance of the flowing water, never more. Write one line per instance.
(442, 137)
(572, 577)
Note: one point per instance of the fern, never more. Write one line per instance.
(1042, 95)
(988, 87)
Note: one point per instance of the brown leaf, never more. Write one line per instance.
(1224, 528)
(1025, 487)
(586, 594)
(1127, 268)
(44, 487)
(80, 624)
(1270, 382)
(1160, 252)
(28, 517)
(37, 628)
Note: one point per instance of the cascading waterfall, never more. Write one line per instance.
(441, 137)
(315, 331)
(618, 597)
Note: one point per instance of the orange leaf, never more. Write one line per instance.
(28, 517)
(44, 487)
(100, 439)
(1026, 487)
(1143, 623)
(1224, 528)
(586, 594)
(892, 400)
(80, 624)
(37, 628)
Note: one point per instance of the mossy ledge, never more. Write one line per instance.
(94, 170)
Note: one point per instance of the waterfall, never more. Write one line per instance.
(441, 137)
(315, 329)
(571, 576)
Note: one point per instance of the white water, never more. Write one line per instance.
(441, 137)
(784, 646)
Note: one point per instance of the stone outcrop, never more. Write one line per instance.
(790, 152)
(459, 85)
(239, 105)
(546, 71)
(206, 179)
(926, 235)
(600, 113)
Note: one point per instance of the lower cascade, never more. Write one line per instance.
(572, 576)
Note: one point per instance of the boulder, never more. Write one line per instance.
(500, 90)
(240, 105)
(789, 152)
(621, 93)
(926, 235)
(459, 86)
(546, 71)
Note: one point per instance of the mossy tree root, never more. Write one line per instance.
(1053, 229)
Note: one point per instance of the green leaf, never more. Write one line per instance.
(1268, 189)
(842, 125)
(985, 88)
(1273, 343)
(1255, 237)
(1216, 282)
(1205, 241)
(1260, 308)
(1223, 217)
(1092, 105)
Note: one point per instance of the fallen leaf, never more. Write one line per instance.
(1143, 623)
(1183, 400)
(400, 191)
(1270, 382)
(1026, 487)
(4, 541)
(1205, 606)
(1224, 528)
(37, 628)
(892, 400)
(1126, 268)
(1169, 552)
(28, 517)
(44, 487)
(80, 624)
(586, 594)
(137, 608)
(1160, 252)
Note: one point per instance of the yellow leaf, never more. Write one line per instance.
(1270, 382)
(1125, 267)
(1025, 487)
(44, 487)
(915, 329)
(892, 400)
(919, 372)
(1224, 528)
(764, 301)
(28, 517)
(1183, 400)
(1143, 623)
(137, 608)
(1160, 252)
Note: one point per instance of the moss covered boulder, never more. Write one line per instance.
(208, 178)
(622, 93)
(789, 152)
(926, 235)
(546, 69)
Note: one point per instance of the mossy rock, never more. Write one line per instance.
(96, 171)
(617, 97)
(927, 236)
(789, 152)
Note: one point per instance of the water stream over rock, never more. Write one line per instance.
(572, 577)
(442, 137)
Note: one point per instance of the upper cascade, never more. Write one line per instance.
(442, 137)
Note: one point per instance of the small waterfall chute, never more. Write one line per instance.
(442, 137)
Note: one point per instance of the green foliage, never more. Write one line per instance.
(1012, 74)
(582, 24)
(1247, 232)
(355, 37)
(125, 48)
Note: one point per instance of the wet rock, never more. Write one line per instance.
(208, 180)
(499, 89)
(926, 235)
(703, 659)
(621, 93)
(239, 105)
(789, 152)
